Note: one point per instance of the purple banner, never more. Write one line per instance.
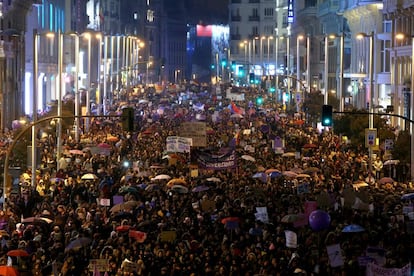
(212, 161)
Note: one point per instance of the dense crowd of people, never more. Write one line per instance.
(117, 203)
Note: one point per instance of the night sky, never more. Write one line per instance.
(208, 11)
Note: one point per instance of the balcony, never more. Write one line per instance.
(255, 18)
(236, 1)
(254, 1)
(236, 18)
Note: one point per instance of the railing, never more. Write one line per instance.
(236, 18)
(254, 18)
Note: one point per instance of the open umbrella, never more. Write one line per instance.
(292, 218)
(179, 189)
(275, 174)
(89, 176)
(386, 180)
(213, 179)
(289, 174)
(268, 171)
(37, 220)
(248, 158)
(311, 170)
(161, 177)
(407, 196)
(123, 228)
(353, 228)
(237, 116)
(112, 139)
(200, 188)
(104, 146)
(8, 271)
(78, 243)
(18, 253)
(152, 187)
(303, 175)
(176, 181)
(76, 151)
(391, 162)
(359, 184)
(124, 205)
(289, 154)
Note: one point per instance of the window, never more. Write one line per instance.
(268, 11)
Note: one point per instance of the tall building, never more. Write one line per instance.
(398, 29)
(12, 58)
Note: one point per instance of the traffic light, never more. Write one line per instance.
(233, 65)
(327, 115)
(259, 100)
(223, 62)
(127, 119)
(251, 78)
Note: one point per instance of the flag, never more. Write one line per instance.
(236, 109)
(235, 140)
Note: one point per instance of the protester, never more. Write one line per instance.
(106, 211)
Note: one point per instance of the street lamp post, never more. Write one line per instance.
(59, 100)
(276, 64)
(412, 111)
(288, 63)
(99, 100)
(371, 92)
(341, 72)
(76, 77)
(326, 75)
(298, 77)
(308, 73)
(149, 63)
(88, 89)
(268, 53)
(35, 91)
(176, 75)
(261, 54)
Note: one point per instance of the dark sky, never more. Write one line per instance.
(208, 11)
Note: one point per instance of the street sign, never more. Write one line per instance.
(388, 144)
(370, 137)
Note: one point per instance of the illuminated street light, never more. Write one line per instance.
(298, 77)
(371, 88)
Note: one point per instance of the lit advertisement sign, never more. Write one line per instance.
(290, 11)
(220, 42)
(204, 31)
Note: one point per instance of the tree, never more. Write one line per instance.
(353, 126)
(312, 105)
(402, 149)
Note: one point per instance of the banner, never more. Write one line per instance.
(335, 256)
(178, 144)
(291, 239)
(195, 130)
(376, 270)
(212, 161)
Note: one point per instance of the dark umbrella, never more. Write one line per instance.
(78, 243)
(200, 188)
(407, 196)
(353, 228)
(275, 174)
